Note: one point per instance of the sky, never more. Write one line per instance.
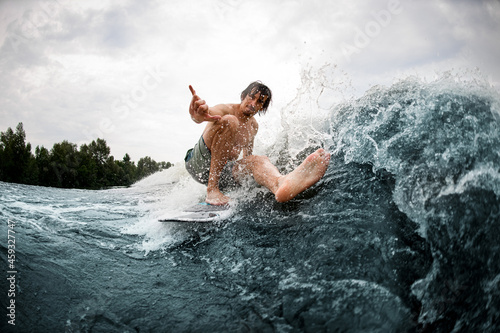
(120, 70)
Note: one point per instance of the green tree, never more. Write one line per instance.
(129, 169)
(64, 164)
(87, 170)
(98, 154)
(115, 175)
(16, 160)
(42, 158)
(99, 151)
(146, 166)
(165, 165)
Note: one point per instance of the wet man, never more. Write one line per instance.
(231, 130)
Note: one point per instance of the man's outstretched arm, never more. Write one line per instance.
(200, 112)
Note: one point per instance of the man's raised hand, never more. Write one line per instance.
(198, 109)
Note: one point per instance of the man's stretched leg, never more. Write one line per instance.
(284, 187)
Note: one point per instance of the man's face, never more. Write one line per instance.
(253, 103)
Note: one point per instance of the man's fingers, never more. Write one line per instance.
(200, 107)
(199, 103)
(208, 117)
(192, 90)
(193, 100)
(214, 118)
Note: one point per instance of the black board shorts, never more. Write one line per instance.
(198, 161)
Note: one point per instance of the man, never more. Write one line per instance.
(231, 130)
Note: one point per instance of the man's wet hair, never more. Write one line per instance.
(255, 87)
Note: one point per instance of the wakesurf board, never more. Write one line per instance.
(202, 212)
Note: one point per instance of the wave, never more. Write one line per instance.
(440, 142)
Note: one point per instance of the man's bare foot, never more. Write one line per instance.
(304, 176)
(215, 197)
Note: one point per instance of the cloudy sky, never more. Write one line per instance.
(120, 70)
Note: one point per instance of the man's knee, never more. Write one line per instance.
(229, 122)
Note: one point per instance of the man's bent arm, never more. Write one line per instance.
(212, 114)
(200, 111)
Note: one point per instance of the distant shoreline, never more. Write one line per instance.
(66, 166)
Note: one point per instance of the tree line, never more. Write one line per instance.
(66, 166)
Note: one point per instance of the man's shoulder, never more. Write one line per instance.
(232, 107)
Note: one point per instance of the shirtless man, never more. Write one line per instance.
(230, 130)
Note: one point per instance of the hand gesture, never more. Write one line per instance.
(198, 109)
